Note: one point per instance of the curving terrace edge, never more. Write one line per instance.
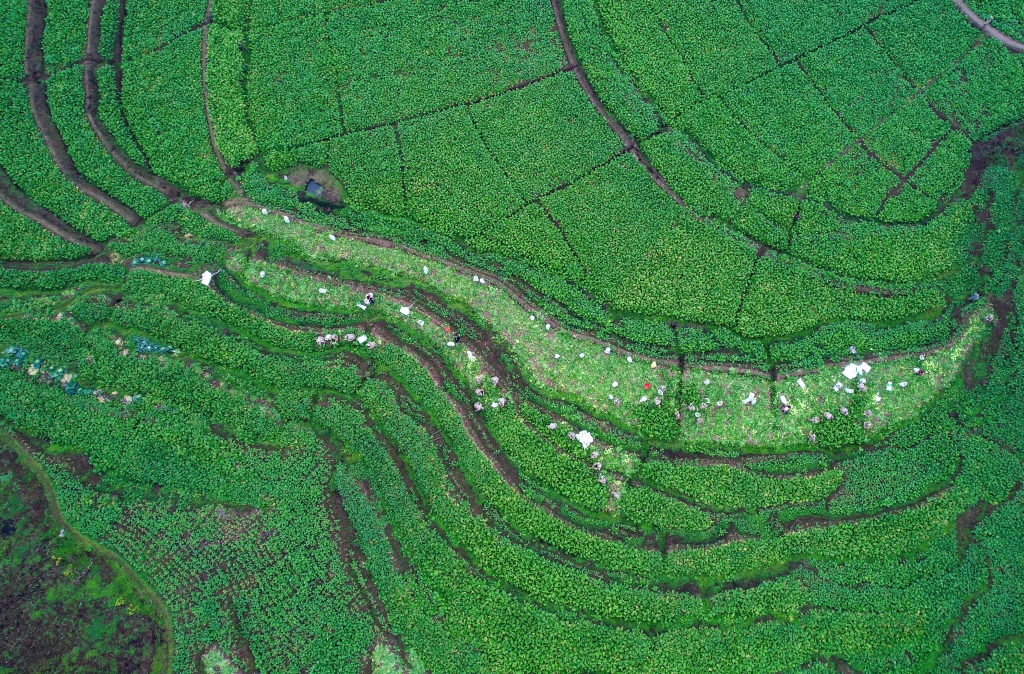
(987, 29)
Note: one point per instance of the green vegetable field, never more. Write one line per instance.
(540, 336)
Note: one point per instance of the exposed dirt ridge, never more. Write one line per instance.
(986, 28)
(35, 74)
(17, 201)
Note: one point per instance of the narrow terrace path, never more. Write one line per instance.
(19, 202)
(984, 27)
(35, 74)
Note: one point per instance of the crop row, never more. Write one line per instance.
(259, 557)
(610, 555)
(777, 598)
(23, 239)
(312, 77)
(216, 482)
(23, 154)
(64, 35)
(596, 55)
(786, 297)
(66, 99)
(548, 357)
(780, 126)
(224, 80)
(163, 103)
(429, 554)
(153, 24)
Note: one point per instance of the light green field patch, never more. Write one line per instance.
(576, 368)
(215, 661)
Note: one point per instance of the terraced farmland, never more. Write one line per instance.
(487, 336)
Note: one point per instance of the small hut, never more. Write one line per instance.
(315, 189)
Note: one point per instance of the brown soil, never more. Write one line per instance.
(869, 290)
(35, 74)
(982, 152)
(92, 97)
(17, 201)
(474, 429)
(30, 642)
(1003, 307)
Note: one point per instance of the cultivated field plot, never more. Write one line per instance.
(579, 336)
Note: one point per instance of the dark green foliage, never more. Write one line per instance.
(906, 136)
(854, 183)
(23, 239)
(291, 84)
(293, 504)
(859, 80)
(544, 135)
(26, 159)
(409, 58)
(806, 137)
(452, 183)
(60, 278)
(974, 91)
(65, 96)
(152, 24)
(370, 165)
(225, 79)
(532, 236)
(903, 35)
(792, 27)
(631, 240)
(163, 103)
(597, 57)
